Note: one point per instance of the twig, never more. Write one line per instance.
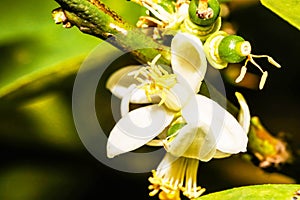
(95, 18)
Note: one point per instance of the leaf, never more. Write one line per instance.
(288, 10)
(35, 51)
(24, 181)
(261, 192)
(31, 41)
(40, 80)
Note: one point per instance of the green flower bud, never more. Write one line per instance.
(204, 13)
(234, 49)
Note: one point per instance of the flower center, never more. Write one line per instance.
(155, 80)
(175, 176)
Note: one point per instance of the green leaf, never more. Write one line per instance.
(288, 10)
(32, 182)
(35, 52)
(261, 192)
(30, 40)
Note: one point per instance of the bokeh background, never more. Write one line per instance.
(42, 155)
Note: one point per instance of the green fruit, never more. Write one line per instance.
(195, 18)
(233, 49)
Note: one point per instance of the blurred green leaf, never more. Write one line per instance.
(288, 10)
(35, 52)
(261, 192)
(52, 120)
(41, 80)
(31, 41)
(27, 182)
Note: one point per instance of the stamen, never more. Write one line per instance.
(270, 60)
(174, 175)
(273, 62)
(263, 80)
(242, 74)
(155, 80)
(253, 62)
(144, 20)
(140, 80)
(163, 98)
(155, 59)
(163, 70)
(191, 190)
(265, 73)
(156, 10)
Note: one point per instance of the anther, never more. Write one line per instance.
(242, 74)
(263, 80)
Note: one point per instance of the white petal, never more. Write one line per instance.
(220, 154)
(135, 95)
(192, 142)
(244, 116)
(178, 96)
(188, 59)
(119, 84)
(228, 133)
(119, 81)
(126, 100)
(139, 96)
(137, 128)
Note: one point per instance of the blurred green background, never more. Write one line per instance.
(43, 157)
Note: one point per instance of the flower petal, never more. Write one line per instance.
(178, 96)
(137, 128)
(192, 142)
(119, 83)
(228, 133)
(220, 154)
(188, 59)
(244, 116)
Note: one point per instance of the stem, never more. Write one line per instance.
(95, 18)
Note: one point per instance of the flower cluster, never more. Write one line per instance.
(202, 19)
(190, 126)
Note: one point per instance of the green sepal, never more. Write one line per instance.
(229, 49)
(213, 4)
(174, 128)
(211, 50)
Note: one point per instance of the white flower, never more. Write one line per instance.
(145, 84)
(205, 131)
(210, 128)
(163, 18)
